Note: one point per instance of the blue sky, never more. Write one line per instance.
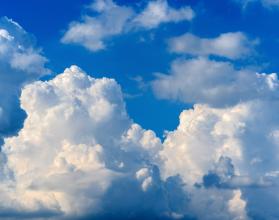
(47, 23)
(183, 126)
(48, 20)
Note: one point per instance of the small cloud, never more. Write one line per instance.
(269, 4)
(233, 45)
(158, 12)
(92, 32)
(141, 84)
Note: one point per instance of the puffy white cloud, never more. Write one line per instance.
(80, 154)
(20, 62)
(200, 80)
(93, 32)
(158, 12)
(226, 156)
(231, 45)
(225, 149)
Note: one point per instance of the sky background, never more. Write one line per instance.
(184, 126)
(128, 57)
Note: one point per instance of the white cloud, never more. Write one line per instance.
(80, 154)
(216, 147)
(20, 62)
(231, 45)
(63, 142)
(225, 149)
(158, 12)
(200, 80)
(93, 32)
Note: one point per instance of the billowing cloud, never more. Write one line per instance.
(229, 155)
(225, 149)
(92, 32)
(20, 62)
(200, 80)
(80, 154)
(231, 45)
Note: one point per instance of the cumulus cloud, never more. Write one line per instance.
(230, 156)
(225, 149)
(200, 80)
(80, 154)
(91, 32)
(20, 62)
(218, 149)
(110, 19)
(230, 45)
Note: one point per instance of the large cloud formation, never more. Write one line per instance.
(225, 149)
(79, 154)
(227, 156)
(20, 63)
